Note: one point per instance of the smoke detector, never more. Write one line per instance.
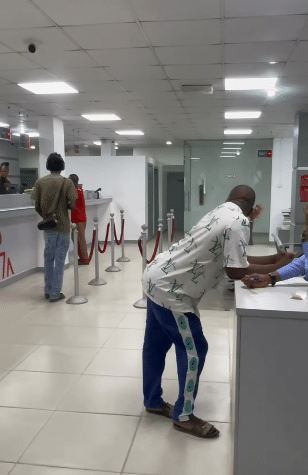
(204, 89)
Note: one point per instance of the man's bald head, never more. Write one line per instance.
(244, 197)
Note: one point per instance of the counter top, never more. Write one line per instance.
(88, 203)
(272, 302)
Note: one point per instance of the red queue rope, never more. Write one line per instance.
(155, 248)
(172, 230)
(118, 242)
(106, 241)
(87, 261)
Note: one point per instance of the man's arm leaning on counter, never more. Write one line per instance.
(260, 265)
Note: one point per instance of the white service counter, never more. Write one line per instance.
(269, 381)
(21, 243)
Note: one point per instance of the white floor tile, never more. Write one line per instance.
(217, 338)
(22, 469)
(27, 334)
(5, 468)
(126, 338)
(87, 441)
(105, 395)
(134, 320)
(98, 319)
(166, 451)
(117, 362)
(3, 374)
(12, 355)
(58, 359)
(85, 337)
(18, 427)
(35, 390)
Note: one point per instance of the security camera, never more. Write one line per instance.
(32, 48)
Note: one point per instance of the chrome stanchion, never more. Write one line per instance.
(142, 303)
(169, 229)
(160, 228)
(113, 267)
(76, 299)
(97, 280)
(123, 258)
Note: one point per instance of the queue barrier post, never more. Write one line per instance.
(97, 280)
(123, 258)
(142, 303)
(172, 225)
(113, 267)
(160, 228)
(76, 299)
(169, 229)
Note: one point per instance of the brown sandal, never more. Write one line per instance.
(165, 409)
(198, 428)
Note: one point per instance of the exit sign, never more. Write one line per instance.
(265, 153)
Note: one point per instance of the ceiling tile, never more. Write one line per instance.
(240, 8)
(194, 72)
(277, 28)
(52, 59)
(45, 39)
(117, 35)
(258, 52)
(189, 54)
(254, 70)
(14, 61)
(177, 33)
(28, 75)
(5, 49)
(300, 52)
(162, 10)
(95, 75)
(127, 72)
(21, 14)
(150, 85)
(79, 12)
(113, 57)
(294, 69)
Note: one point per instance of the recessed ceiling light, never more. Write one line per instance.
(227, 156)
(97, 142)
(169, 143)
(232, 153)
(246, 84)
(129, 132)
(243, 115)
(117, 148)
(4, 125)
(237, 131)
(48, 88)
(232, 148)
(101, 117)
(233, 143)
(273, 62)
(30, 134)
(86, 146)
(116, 143)
(195, 158)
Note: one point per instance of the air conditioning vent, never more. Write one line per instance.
(205, 89)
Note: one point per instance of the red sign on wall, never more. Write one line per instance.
(7, 267)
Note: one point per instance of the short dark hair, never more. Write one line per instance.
(74, 178)
(55, 162)
(5, 164)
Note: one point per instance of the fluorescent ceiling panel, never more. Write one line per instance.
(103, 117)
(129, 132)
(248, 84)
(238, 131)
(48, 88)
(243, 115)
(233, 143)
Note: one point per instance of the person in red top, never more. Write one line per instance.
(78, 216)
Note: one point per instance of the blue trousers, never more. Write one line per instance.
(164, 328)
(56, 247)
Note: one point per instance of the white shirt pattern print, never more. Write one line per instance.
(178, 278)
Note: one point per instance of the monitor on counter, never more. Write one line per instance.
(12, 189)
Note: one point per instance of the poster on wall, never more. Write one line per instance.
(5, 133)
(24, 141)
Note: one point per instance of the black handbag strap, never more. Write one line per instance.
(60, 193)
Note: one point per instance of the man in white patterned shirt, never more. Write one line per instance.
(174, 284)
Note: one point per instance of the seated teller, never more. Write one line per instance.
(4, 182)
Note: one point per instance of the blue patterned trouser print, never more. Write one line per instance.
(56, 247)
(184, 330)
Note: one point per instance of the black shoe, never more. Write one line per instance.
(61, 297)
(47, 296)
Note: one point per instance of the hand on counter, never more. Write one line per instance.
(256, 280)
(285, 258)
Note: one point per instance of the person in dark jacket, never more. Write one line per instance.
(4, 182)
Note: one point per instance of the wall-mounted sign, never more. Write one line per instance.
(265, 153)
(24, 141)
(5, 133)
(76, 148)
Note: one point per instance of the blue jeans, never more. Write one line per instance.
(56, 247)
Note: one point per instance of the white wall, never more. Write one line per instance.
(281, 181)
(121, 178)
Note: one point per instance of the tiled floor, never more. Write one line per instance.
(71, 387)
